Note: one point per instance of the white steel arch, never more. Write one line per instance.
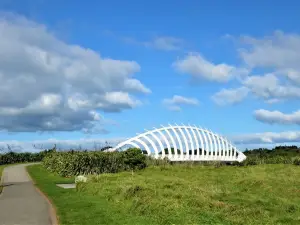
(160, 144)
(217, 148)
(201, 141)
(185, 142)
(196, 141)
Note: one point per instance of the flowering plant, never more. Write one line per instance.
(80, 178)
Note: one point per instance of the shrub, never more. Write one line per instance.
(157, 162)
(82, 163)
(23, 157)
(135, 159)
(217, 164)
(296, 161)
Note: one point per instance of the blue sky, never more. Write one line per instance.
(230, 66)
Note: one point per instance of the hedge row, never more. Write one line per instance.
(13, 157)
(257, 160)
(250, 161)
(81, 163)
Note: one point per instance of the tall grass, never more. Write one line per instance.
(82, 162)
(78, 162)
(258, 160)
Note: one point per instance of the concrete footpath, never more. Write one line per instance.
(20, 202)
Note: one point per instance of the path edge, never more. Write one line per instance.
(52, 210)
(1, 181)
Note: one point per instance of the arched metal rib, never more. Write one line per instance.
(216, 146)
(179, 141)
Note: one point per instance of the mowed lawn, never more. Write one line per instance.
(181, 194)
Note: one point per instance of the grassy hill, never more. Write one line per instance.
(180, 194)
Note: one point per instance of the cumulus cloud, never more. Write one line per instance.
(273, 101)
(267, 138)
(49, 85)
(230, 96)
(293, 75)
(277, 117)
(269, 87)
(107, 102)
(176, 101)
(136, 86)
(279, 50)
(164, 43)
(200, 68)
(279, 55)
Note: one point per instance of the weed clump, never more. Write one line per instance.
(133, 191)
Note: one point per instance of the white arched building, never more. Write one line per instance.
(192, 144)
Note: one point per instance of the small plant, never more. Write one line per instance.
(157, 162)
(296, 161)
(133, 191)
(217, 164)
(80, 178)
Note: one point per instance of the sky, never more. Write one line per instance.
(85, 72)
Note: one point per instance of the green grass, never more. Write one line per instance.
(1, 170)
(264, 194)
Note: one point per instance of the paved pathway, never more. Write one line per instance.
(20, 202)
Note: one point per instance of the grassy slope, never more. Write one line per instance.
(265, 194)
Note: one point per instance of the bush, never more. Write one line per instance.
(217, 164)
(157, 162)
(82, 163)
(296, 161)
(135, 159)
(23, 157)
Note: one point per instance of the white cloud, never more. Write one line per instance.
(273, 101)
(176, 101)
(181, 100)
(267, 138)
(200, 68)
(278, 50)
(115, 101)
(166, 43)
(175, 108)
(230, 96)
(49, 85)
(292, 74)
(277, 117)
(136, 85)
(278, 55)
(268, 87)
